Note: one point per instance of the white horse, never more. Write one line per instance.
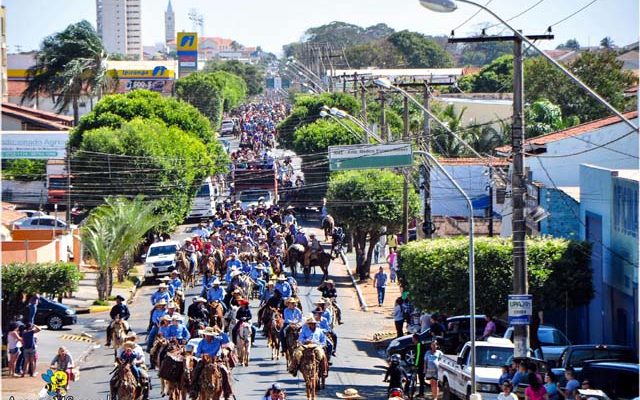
(230, 318)
(243, 343)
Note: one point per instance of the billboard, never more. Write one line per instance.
(187, 51)
(44, 145)
(364, 156)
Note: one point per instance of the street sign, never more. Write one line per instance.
(520, 309)
(34, 144)
(187, 52)
(364, 156)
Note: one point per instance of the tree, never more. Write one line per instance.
(380, 53)
(544, 117)
(144, 157)
(68, 63)
(114, 110)
(253, 75)
(113, 231)
(366, 202)
(443, 142)
(24, 169)
(571, 44)
(607, 42)
(202, 91)
(495, 77)
(436, 274)
(232, 87)
(599, 70)
(419, 51)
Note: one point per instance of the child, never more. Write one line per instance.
(506, 394)
(505, 375)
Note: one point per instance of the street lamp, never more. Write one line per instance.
(472, 264)
(343, 114)
(325, 114)
(292, 60)
(450, 6)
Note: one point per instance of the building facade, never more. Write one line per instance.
(119, 25)
(169, 24)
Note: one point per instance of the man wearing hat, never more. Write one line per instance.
(233, 262)
(197, 310)
(310, 334)
(313, 249)
(211, 345)
(291, 315)
(129, 355)
(256, 275)
(190, 251)
(161, 294)
(170, 289)
(326, 328)
(215, 292)
(162, 329)
(121, 311)
(243, 314)
(159, 309)
(178, 331)
(283, 287)
(175, 281)
(330, 293)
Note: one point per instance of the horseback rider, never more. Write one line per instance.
(190, 251)
(175, 282)
(118, 311)
(329, 292)
(310, 334)
(132, 353)
(216, 294)
(243, 314)
(291, 315)
(159, 310)
(256, 275)
(198, 312)
(170, 289)
(324, 325)
(395, 374)
(207, 281)
(284, 287)
(313, 249)
(326, 314)
(211, 345)
(178, 331)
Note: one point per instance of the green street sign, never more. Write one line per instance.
(362, 156)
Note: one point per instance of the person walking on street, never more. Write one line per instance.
(398, 317)
(392, 259)
(30, 342)
(14, 343)
(33, 308)
(431, 367)
(392, 242)
(419, 362)
(380, 282)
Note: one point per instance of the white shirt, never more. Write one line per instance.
(397, 313)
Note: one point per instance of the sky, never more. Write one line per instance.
(271, 24)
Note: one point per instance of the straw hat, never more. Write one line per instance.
(349, 393)
(319, 301)
(129, 345)
(291, 300)
(162, 286)
(165, 279)
(172, 305)
(309, 319)
(329, 281)
(162, 302)
(177, 317)
(210, 331)
(235, 273)
(199, 299)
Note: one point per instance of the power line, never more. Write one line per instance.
(572, 14)
(471, 17)
(518, 15)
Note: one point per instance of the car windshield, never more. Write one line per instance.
(204, 191)
(154, 251)
(58, 183)
(493, 356)
(552, 337)
(253, 196)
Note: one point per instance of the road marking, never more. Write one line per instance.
(76, 338)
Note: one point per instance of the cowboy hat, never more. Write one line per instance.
(329, 281)
(291, 300)
(349, 393)
(319, 301)
(131, 335)
(235, 273)
(164, 278)
(176, 317)
(174, 272)
(171, 305)
(209, 331)
(281, 278)
(118, 297)
(236, 291)
(162, 302)
(162, 286)
(310, 319)
(129, 345)
(165, 317)
(199, 299)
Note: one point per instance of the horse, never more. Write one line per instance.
(273, 334)
(243, 343)
(291, 341)
(230, 318)
(276, 264)
(179, 300)
(186, 380)
(185, 270)
(295, 256)
(311, 369)
(127, 384)
(210, 380)
(117, 334)
(267, 319)
(216, 314)
(327, 226)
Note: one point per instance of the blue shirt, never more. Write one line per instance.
(232, 263)
(213, 348)
(292, 315)
(157, 296)
(157, 314)
(216, 294)
(284, 288)
(180, 332)
(317, 336)
(165, 331)
(381, 281)
(176, 283)
(327, 315)
(256, 273)
(171, 290)
(207, 281)
(324, 324)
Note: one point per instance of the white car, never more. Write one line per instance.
(40, 222)
(160, 259)
(227, 127)
(252, 197)
(32, 213)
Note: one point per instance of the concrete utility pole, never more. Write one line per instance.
(363, 93)
(383, 120)
(518, 180)
(405, 118)
(427, 225)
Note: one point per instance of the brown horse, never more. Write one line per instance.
(273, 334)
(276, 265)
(295, 256)
(186, 380)
(184, 268)
(210, 380)
(291, 341)
(127, 385)
(310, 366)
(327, 226)
(117, 334)
(216, 314)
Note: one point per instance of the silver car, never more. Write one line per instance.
(552, 341)
(40, 222)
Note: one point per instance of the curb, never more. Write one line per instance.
(97, 309)
(363, 304)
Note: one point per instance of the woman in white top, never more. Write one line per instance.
(506, 393)
(14, 343)
(431, 368)
(398, 317)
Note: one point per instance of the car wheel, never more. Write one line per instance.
(410, 356)
(54, 322)
(446, 390)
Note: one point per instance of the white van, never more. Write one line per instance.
(204, 203)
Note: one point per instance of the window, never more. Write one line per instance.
(625, 208)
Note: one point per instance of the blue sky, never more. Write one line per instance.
(271, 24)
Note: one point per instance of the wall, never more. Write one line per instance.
(45, 103)
(447, 200)
(39, 251)
(480, 111)
(11, 123)
(563, 212)
(565, 170)
(24, 192)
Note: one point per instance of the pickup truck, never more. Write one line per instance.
(455, 374)
(577, 356)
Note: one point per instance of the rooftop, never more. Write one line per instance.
(9, 214)
(570, 132)
(42, 119)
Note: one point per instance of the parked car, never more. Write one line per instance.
(40, 222)
(455, 335)
(552, 340)
(619, 380)
(227, 127)
(577, 356)
(53, 314)
(32, 213)
(160, 259)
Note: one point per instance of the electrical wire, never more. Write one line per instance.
(518, 15)
(471, 17)
(572, 14)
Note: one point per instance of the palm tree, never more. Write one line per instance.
(113, 232)
(484, 139)
(69, 63)
(444, 143)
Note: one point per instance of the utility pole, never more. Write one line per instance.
(518, 181)
(405, 118)
(405, 174)
(344, 82)
(363, 93)
(383, 120)
(427, 225)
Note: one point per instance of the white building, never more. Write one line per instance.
(169, 24)
(480, 108)
(119, 25)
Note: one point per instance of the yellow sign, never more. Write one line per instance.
(187, 41)
(158, 72)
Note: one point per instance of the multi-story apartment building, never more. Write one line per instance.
(119, 25)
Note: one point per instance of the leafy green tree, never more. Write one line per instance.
(443, 142)
(114, 110)
(484, 139)
(599, 70)
(391, 117)
(144, 157)
(253, 75)
(365, 202)
(495, 77)
(202, 91)
(24, 169)
(558, 271)
(544, 117)
(68, 63)
(233, 88)
(419, 51)
(113, 231)
(607, 42)
(479, 54)
(571, 44)
(380, 53)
